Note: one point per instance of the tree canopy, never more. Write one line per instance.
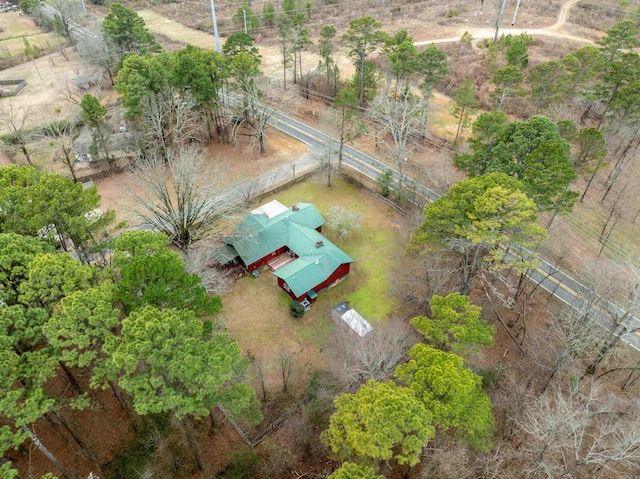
(380, 422)
(125, 29)
(150, 273)
(476, 219)
(507, 80)
(171, 361)
(451, 392)
(16, 252)
(51, 207)
(455, 325)
(363, 37)
(620, 37)
(51, 277)
(531, 151)
(82, 323)
(433, 65)
(142, 76)
(350, 470)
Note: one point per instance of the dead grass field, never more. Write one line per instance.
(43, 93)
(15, 28)
(233, 161)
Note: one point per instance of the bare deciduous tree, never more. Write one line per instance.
(623, 144)
(580, 432)
(437, 173)
(97, 51)
(616, 208)
(343, 221)
(62, 133)
(352, 361)
(260, 372)
(327, 157)
(168, 121)
(17, 119)
(429, 272)
(67, 12)
(276, 460)
(569, 335)
(258, 105)
(175, 202)
(198, 260)
(68, 90)
(400, 118)
(285, 365)
(619, 284)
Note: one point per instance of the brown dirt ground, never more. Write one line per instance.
(42, 95)
(235, 162)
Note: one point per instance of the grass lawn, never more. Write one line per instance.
(15, 28)
(256, 311)
(157, 23)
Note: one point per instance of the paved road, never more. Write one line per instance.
(567, 289)
(561, 285)
(77, 31)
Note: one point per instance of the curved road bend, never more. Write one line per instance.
(561, 285)
(550, 31)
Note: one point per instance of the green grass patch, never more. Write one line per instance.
(373, 247)
(372, 299)
(314, 190)
(257, 312)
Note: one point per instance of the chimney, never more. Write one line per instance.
(295, 208)
(319, 243)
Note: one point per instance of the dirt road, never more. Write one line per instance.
(551, 31)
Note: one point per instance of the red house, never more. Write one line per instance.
(290, 242)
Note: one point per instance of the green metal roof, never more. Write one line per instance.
(224, 254)
(257, 235)
(315, 263)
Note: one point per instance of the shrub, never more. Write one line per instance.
(385, 181)
(343, 221)
(491, 375)
(28, 6)
(269, 14)
(466, 38)
(54, 128)
(296, 309)
(245, 463)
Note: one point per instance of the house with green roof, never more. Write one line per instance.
(290, 242)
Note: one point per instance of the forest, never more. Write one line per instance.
(119, 356)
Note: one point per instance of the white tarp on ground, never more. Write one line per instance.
(356, 322)
(271, 209)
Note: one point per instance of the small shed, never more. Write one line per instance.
(83, 142)
(343, 314)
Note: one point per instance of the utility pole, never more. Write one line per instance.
(215, 26)
(244, 14)
(515, 14)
